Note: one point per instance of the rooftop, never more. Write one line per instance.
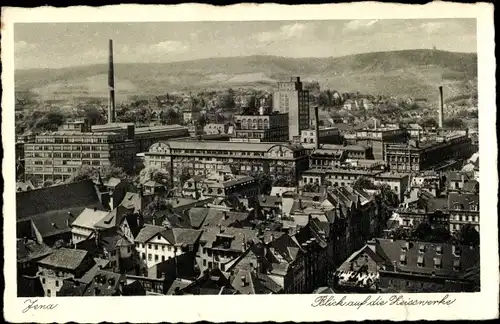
(65, 258)
(89, 217)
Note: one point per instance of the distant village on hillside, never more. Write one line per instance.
(298, 190)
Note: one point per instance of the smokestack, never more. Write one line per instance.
(316, 117)
(111, 85)
(441, 107)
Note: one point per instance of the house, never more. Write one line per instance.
(220, 185)
(156, 244)
(212, 282)
(45, 215)
(153, 188)
(29, 252)
(398, 182)
(117, 189)
(455, 181)
(61, 265)
(411, 267)
(106, 284)
(424, 209)
(463, 209)
(85, 223)
(269, 206)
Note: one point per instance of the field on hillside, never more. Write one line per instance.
(415, 73)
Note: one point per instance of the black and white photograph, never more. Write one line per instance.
(332, 157)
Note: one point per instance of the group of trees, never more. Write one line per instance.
(387, 195)
(106, 172)
(424, 232)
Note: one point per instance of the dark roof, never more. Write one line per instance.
(72, 288)
(471, 186)
(147, 232)
(29, 287)
(112, 238)
(105, 283)
(270, 201)
(177, 285)
(65, 258)
(114, 217)
(391, 251)
(249, 282)
(462, 200)
(55, 222)
(135, 288)
(224, 218)
(31, 250)
(197, 216)
(211, 283)
(74, 195)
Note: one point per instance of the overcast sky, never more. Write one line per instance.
(56, 45)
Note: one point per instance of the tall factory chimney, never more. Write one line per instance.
(441, 107)
(111, 85)
(316, 117)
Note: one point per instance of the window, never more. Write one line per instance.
(150, 257)
(420, 261)
(204, 263)
(143, 256)
(210, 265)
(128, 249)
(456, 265)
(156, 257)
(48, 292)
(162, 258)
(402, 259)
(437, 263)
(57, 283)
(156, 246)
(439, 250)
(421, 248)
(149, 246)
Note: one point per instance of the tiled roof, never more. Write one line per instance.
(270, 201)
(65, 258)
(224, 218)
(105, 283)
(249, 283)
(114, 217)
(55, 222)
(181, 236)
(237, 237)
(31, 250)
(72, 288)
(66, 196)
(197, 216)
(230, 146)
(147, 232)
(180, 284)
(471, 186)
(462, 200)
(112, 238)
(89, 217)
(429, 253)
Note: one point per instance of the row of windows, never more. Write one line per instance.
(84, 139)
(155, 246)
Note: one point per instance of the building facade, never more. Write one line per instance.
(57, 155)
(211, 156)
(431, 154)
(377, 138)
(265, 128)
(292, 99)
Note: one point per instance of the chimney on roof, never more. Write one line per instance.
(70, 214)
(111, 85)
(441, 107)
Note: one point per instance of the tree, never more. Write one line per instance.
(202, 120)
(454, 123)
(51, 121)
(226, 99)
(95, 115)
(88, 172)
(364, 183)
(184, 176)
(158, 205)
(153, 173)
(429, 123)
(170, 117)
(311, 187)
(467, 235)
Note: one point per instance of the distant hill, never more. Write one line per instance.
(415, 73)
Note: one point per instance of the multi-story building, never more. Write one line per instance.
(327, 135)
(332, 155)
(335, 176)
(434, 153)
(265, 128)
(413, 267)
(61, 265)
(57, 155)
(220, 185)
(398, 182)
(292, 99)
(156, 244)
(377, 138)
(214, 129)
(84, 225)
(202, 157)
(463, 209)
(146, 136)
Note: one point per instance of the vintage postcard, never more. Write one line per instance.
(249, 163)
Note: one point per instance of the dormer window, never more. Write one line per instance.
(405, 246)
(472, 206)
(439, 250)
(420, 261)
(421, 248)
(437, 263)
(456, 250)
(457, 206)
(402, 259)
(456, 265)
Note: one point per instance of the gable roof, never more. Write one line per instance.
(66, 196)
(65, 258)
(31, 250)
(147, 232)
(88, 218)
(217, 217)
(114, 217)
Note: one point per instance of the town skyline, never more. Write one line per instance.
(165, 42)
